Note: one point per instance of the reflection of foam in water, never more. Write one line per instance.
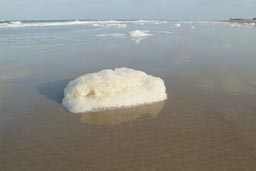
(119, 116)
(138, 40)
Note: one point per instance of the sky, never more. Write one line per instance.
(126, 9)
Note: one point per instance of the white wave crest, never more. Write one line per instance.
(112, 23)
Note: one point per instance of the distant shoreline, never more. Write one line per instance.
(238, 20)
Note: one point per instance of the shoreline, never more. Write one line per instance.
(241, 21)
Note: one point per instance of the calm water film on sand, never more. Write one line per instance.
(208, 121)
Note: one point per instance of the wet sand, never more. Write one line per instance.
(207, 123)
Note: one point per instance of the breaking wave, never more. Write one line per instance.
(112, 23)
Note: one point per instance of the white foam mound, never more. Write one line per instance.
(121, 87)
(139, 34)
(177, 25)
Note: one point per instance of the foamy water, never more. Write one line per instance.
(111, 23)
(112, 35)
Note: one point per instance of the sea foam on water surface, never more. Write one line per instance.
(117, 25)
(112, 35)
(121, 87)
(177, 25)
(139, 35)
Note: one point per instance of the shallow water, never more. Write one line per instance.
(207, 123)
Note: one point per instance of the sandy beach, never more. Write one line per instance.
(207, 123)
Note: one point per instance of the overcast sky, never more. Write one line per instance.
(126, 9)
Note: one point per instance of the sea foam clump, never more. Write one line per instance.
(121, 87)
(139, 35)
(177, 25)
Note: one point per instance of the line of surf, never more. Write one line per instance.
(120, 23)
